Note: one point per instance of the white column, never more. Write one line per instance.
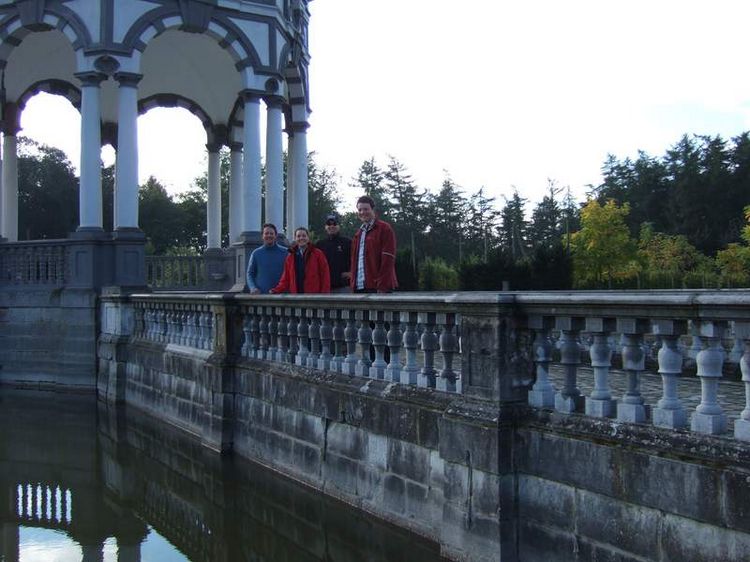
(213, 210)
(251, 170)
(235, 193)
(1, 191)
(90, 191)
(299, 172)
(10, 187)
(126, 167)
(274, 165)
(291, 219)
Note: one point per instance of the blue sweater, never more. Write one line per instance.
(265, 267)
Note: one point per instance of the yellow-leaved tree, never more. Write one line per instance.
(603, 249)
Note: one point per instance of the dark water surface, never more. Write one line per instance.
(83, 481)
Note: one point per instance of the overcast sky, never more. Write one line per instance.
(497, 93)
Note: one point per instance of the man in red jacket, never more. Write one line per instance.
(373, 252)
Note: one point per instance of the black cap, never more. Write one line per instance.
(332, 217)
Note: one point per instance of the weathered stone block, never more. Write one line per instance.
(408, 460)
(685, 539)
(547, 502)
(622, 525)
(536, 542)
(712, 424)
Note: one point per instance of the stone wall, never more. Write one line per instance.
(606, 491)
(48, 337)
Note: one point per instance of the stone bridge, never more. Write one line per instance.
(501, 425)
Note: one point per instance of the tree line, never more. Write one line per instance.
(679, 220)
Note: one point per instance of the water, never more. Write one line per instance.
(81, 481)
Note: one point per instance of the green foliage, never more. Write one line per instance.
(436, 275)
(47, 192)
(602, 250)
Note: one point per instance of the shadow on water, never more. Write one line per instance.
(115, 485)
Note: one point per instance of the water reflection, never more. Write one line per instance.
(80, 481)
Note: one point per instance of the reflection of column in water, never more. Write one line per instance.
(93, 552)
(9, 504)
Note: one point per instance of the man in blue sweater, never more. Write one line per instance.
(266, 263)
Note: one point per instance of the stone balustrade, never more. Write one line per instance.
(664, 333)
(487, 345)
(38, 262)
(176, 272)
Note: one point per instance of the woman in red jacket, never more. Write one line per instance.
(305, 268)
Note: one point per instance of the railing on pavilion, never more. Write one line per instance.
(483, 344)
(37, 262)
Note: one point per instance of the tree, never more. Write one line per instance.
(323, 197)
(546, 219)
(446, 222)
(603, 248)
(370, 179)
(159, 217)
(513, 229)
(47, 192)
(482, 225)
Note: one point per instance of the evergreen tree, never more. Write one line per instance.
(482, 225)
(514, 227)
(546, 219)
(371, 179)
(446, 222)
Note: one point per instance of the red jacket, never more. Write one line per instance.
(317, 277)
(380, 257)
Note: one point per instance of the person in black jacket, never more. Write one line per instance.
(337, 249)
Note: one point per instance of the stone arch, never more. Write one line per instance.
(34, 16)
(55, 87)
(221, 29)
(176, 100)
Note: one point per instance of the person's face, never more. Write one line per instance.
(269, 236)
(301, 238)
(365, 212)
(332, 228)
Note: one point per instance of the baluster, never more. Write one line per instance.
(193, 327)
(631, 408)
(246, 335)
(394, 338)
(735, 355)
(273, 334)
(708, 416)
(314, 333)
(255, 312)
(742, 425)
(429, 344)
(448, 348)
(185, 321)
(291, 329)
(410, 372)
(696, 345)
(211, 323)
(282, 353)
(379, 341)
(326, 336)
(600, 404)
(139, 322)
(669, 411)
(265, 336)
(303, 339)
(569, 399)
(364, 338)
(350, 335)
(339, 341)
(542, 394)
(162, 326)
(205, 319)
